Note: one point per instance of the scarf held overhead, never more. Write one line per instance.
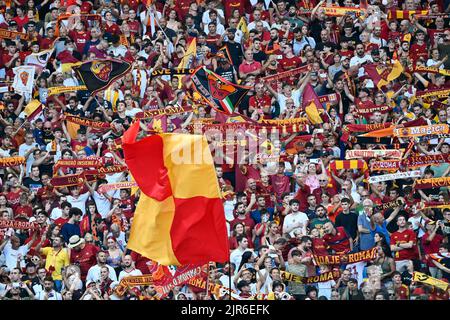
(365, 255)
(11, 162)
(388, 153)
(395, 176)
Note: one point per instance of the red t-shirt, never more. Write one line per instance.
(319, 247)
(247, 222)
(77, 145)
(432, 246)
(24, 211)
(339, 242)
(402, 292)
(61, 221)
(128, 209)
(260, 102)
(404, 237)
(434, 35)
(280, 183)
(6, 57)
(112, 29)
(182, 8)
(13, 199)
(301, 196)
(134, 26)
(142, 263)
(249, 67)
(416, 51)
(80, 39)
(21, 22)
(85, 258)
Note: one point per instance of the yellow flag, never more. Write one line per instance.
(424, 278)
(242, 25)
(184, 63)
(191, 51)
(313, 113)
(395, 72)
(32, 107)
(67, 67)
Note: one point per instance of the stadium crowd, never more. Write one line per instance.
(279, 219)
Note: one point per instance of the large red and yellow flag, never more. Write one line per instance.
(381, 76)
(311, 103)
(180, 217)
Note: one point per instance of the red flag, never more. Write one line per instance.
(312, 105)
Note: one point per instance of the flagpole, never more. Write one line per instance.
(26, 120)
(157, 22)
(207, 280)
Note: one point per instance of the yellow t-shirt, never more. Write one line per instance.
(58, 259)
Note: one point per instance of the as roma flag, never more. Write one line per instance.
(180, 218)
(382, 75)
(219, 93)
(98, 75)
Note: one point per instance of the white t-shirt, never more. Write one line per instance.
(94, 273)
(295, 97)
(294, 218)
(236, 257)
(325, 288)
(11, 254)
(56, 213)
(206, 19)
(52, 295)
(132, 113)
(79, 202)
(416, 222)
(355, 60)
(431, 63)
(103, 204)
(252, 25)
(23, 148)
(124, 274)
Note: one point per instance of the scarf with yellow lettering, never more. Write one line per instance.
(117, 186)
(79, 163)
(360, 256)
(11, 162)
(350, 128)
(58, 90)
(431, 183)
(17, 224)
(424, 69)
(421, 130)
(437, 205)
(88, 122)
(324, 277)
(424, 278)
(161, 112)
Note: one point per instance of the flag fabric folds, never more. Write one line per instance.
(39, 59)
(97, 75)
(382, 77)
(219, 93)
(33, 109)
(242, 25)
(311, 103)
(180, 217)
(23, 79)
(189, 55)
